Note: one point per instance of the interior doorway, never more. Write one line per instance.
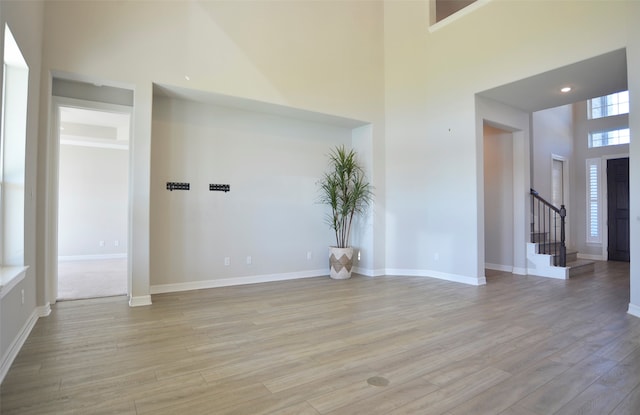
(498, 199)
(93, 193)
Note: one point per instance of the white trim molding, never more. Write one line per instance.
(10, 277)
(499, 267)
(367, 272)
(634, 310)
(139, 301)
(519, 271)
(17, 343)
(438, 275)
(228, 282)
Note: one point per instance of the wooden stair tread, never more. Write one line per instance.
(580, 266)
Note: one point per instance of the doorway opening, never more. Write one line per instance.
(93, 198)
(498, 200)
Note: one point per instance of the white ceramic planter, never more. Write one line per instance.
(340, 262)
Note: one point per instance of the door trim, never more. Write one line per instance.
(53, 183)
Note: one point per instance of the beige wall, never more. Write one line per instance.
(328, 57)
(498, 201)
(272, 163)
(431, 78)
(93, 194)
(373, 61)
(319, 56)
(16, 316)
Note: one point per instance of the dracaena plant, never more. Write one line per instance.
(344, 187)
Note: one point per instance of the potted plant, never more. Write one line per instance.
(344, 187)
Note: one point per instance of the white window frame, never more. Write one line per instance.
(591, 133)
(13, 129)
(590, 107)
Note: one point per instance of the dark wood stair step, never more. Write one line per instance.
(580, 266)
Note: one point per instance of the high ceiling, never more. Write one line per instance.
(598, 76)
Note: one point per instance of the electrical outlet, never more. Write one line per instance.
(248, 260)
(227, 261)
(358, 255)
(308, 254)
(436, 256)
(22, 292)
(116, 243)
(101, 243)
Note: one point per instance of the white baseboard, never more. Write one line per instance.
(139, 301)
(437, 274)
(634, 310)
(499, 267)
(519, 271)
(66, 258)
(368, 272)
(227, 282)
(18, 342)
(44, 311)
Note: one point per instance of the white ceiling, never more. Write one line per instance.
(245, 104)
(94, 128)
(595, 77)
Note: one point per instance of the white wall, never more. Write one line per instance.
(498, 198)
(328, 57)
(320, 56)
(93, 201)
(17, 317)
(552, 134)
(271, 214)
(433, 194)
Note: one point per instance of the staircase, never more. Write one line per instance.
(547, 255)
(544, 261)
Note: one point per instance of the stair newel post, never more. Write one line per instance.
(563, 248)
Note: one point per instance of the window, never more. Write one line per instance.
(609, 105)
(12, 152)
(593, 201)
(609, 138)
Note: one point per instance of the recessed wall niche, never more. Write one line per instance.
(271, 156)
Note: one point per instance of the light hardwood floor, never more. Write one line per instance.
(517, 346)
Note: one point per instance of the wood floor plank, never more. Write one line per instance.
(520, 345)
(553, 395)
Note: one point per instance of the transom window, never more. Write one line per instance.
(609, 137)
(608, 105)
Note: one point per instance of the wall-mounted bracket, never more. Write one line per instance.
(171, 186)
(219, 188)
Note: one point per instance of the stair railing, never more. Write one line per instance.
(544, 221)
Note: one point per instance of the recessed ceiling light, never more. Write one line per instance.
(187, 77)
(566, 89)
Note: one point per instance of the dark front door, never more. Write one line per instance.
(618, 208)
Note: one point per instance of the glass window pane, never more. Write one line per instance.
(609, 105)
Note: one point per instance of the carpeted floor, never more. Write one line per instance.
(92, 279)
